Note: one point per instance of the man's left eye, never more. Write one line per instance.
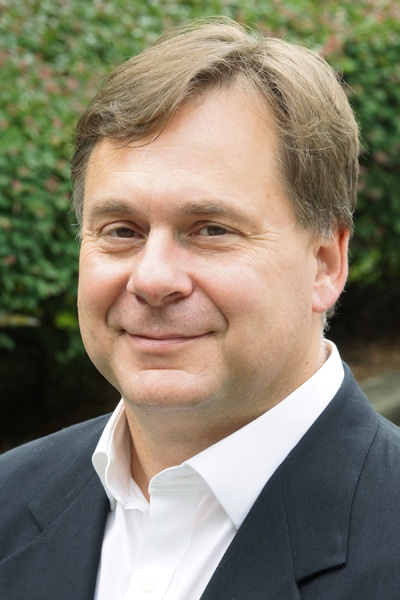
(212, 230)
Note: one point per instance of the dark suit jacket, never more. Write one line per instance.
(325, 527)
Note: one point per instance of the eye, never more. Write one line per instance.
(212, 230)
(123, 232)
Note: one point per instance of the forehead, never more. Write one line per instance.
(217, 119)
(222, 146)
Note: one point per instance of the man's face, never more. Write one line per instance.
(197, 288)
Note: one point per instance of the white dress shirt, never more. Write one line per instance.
(169, 548)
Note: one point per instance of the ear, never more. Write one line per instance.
(332, 270)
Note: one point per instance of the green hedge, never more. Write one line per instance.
(55, 54)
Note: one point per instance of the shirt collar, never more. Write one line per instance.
(112, 457)
(237, 467)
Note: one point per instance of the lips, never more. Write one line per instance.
(164, 338)
(160, 336)
(162, 341)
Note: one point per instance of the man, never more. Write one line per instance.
(214, 181)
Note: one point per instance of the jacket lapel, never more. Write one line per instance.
(258, 564)
(61, 560)
(299, 526)
(320, 477)
(71, 544)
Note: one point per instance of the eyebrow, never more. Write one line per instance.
(102, 208)
(207, 208)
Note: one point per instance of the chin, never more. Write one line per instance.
(166, 390)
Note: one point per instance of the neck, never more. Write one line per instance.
(163, 437)
(167, 440)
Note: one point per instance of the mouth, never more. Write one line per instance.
(163, 341)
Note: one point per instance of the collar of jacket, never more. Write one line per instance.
(299, 525)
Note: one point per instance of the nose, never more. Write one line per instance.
(158, 275)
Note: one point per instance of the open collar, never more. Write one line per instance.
(299, 525)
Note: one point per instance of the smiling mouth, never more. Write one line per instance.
(163, 341)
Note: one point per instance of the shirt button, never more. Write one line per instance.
(149, 584)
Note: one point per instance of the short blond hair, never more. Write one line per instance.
(317, 130)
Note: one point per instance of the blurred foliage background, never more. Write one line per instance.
(54, 55)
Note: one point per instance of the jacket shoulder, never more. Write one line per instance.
(29, 466)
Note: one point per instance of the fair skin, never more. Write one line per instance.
(200, 298)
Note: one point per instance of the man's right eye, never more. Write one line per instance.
(123, 232)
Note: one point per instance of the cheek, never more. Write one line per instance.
(242, 296)
(265, 294)
(99, 285)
